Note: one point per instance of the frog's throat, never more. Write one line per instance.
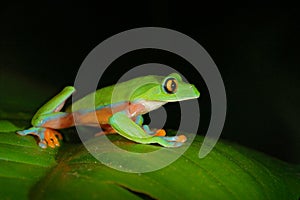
(151, 105)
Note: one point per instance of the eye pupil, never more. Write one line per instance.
(170, 85)
(173, 85)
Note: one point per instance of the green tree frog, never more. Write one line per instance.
(117, 109)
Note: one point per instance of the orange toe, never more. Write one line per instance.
(181, 138)
(58, 135)
(51, 138)
(160, 132)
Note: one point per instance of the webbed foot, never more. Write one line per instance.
(170, 141)
(154, 132)
(46, 136)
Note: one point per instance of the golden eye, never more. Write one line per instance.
(171, 85)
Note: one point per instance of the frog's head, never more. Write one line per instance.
(167, 89)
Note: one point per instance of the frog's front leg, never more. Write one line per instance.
(153, 132)
(107, 129)
(48, 118)
(132, 131)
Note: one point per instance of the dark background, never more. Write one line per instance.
(255, 48)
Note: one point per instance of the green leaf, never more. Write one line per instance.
(228, 172)
(22, 162)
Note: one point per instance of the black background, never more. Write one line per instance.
(256, 49)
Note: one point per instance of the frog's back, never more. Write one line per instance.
(113, 94)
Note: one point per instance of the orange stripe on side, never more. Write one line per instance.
(60, 123)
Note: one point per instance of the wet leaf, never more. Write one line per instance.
(228, 172)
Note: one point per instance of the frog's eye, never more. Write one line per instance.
(170, 85)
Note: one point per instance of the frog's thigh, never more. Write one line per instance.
(56, 103)
(55, 120)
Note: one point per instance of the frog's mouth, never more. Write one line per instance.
(186, 93)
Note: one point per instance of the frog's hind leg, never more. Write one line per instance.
(48, 118)
(46, 136)
(55, 104)
(106, 129)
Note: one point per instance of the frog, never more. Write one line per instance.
(116, 109)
